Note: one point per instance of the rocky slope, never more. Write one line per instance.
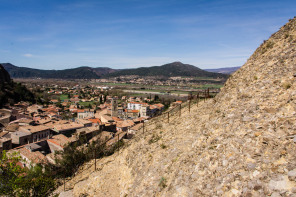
(241, 143)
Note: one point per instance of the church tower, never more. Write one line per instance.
(114, 107)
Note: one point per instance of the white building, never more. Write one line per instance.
(135, 105)
(85, 113)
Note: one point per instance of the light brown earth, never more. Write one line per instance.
(241, 143)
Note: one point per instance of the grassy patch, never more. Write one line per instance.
(286, 85)
(64, 97)
(154, 139)
(162, 182)
(86, 104)
(211, 86)
(158, 125)
(163, 146)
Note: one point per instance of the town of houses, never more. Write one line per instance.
(38, 131)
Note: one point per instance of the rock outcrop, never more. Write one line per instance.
(241, 143)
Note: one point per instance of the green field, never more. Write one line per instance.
(164, 87)
(209, 86)
(86, 104)
(63, 97)
(117, 84)
(164, 91)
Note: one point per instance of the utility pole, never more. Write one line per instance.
(180, 110)
(118, 143)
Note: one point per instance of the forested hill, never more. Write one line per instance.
(74, 73)
(11, 92)
(167, 70)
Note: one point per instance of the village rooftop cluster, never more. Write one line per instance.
(38, 131)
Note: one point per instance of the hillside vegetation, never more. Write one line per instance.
(241, 143)
(11, 92)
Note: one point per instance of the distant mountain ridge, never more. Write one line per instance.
(74, 73)
(167, 70)
(226, 70)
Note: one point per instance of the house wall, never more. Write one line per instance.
(53, 147)
(40, 135)
(80, 115)
(134, 106)
(121, 128)
(5, 116)
(88, 125)
(25, 140)
(86, 114)
(21, 140)
(7, 145)
(144, 111)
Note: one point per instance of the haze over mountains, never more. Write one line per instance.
(226, 70)
(167, 70)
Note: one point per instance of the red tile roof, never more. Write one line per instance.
(138, 103)
(59, 140)
(125, 123)
(95, 120)
(116, 119)
(35, 157)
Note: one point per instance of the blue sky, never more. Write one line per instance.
(59, 34)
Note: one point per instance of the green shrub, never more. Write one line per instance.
(286, 85)
(154, 139)
(17, 181)
(163, 146)
(162, 182)
(158, 125)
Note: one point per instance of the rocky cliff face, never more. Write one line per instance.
(242, 143)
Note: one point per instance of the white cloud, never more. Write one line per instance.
(28, 55)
